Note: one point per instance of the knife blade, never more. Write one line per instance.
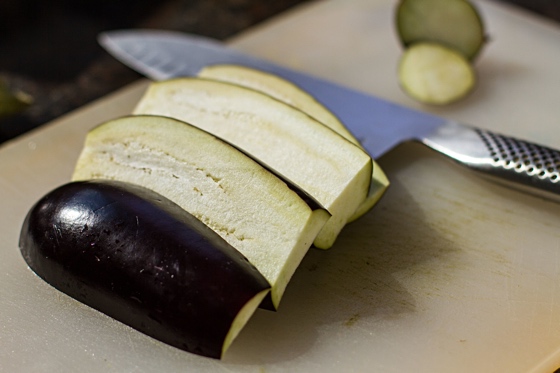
(378, 124)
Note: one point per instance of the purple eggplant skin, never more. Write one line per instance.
(141, 259)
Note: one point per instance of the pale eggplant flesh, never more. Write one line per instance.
(141, 259)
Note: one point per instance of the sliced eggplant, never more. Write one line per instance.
(434, 74)
(318, 160)
(247, 205)
(279, 89)
(456, 24)
(141, 259)
(289, 93)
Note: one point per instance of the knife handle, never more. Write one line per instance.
(520, 164)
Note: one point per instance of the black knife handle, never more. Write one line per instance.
(518, 163)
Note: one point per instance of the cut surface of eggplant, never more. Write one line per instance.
(279, 89)
(456, 24)
(141, 259)
(434, 74)
(318, 160)
(285, 91)
(247, 205)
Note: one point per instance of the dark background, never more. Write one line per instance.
(48, 49)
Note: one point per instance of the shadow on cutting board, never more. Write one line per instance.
(355, 284)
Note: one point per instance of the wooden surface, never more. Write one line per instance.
(448, 273)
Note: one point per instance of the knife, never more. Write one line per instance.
(378, 124)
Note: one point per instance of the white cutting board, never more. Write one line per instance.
(449, 273)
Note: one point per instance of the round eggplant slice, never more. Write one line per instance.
(434, 74)
(454, 23)
(141, 259)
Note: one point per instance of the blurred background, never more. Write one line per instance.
(50, 62)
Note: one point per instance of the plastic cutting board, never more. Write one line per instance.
(449, 273)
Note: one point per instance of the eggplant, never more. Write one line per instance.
(314, 157)
(289, 93)
(138, 257)
(250, 206)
